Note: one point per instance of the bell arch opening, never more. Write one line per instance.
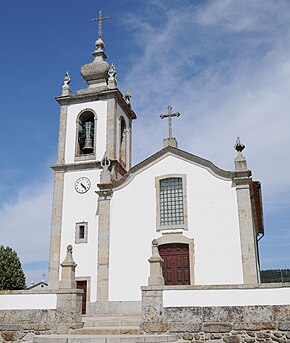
(123, 143)
(86, 133)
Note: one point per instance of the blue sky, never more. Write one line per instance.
(223, 64)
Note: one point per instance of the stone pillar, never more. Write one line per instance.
(68, 279)
(128, 149)
(62, 134)
(69, 299)
(56, 224)
(248, 238)
(156, 277)
(111, 129)
(105, 196)
(247, 232)
(152, 310)
(56, 219)
(152, 296)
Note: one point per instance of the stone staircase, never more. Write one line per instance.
(108, 329)
(110, 325)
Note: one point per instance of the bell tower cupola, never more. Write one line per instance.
(96, 72)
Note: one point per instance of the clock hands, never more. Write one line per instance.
(82, 185)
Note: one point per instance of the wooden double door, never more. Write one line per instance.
(176, 266)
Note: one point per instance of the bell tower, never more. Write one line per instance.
(94, 122)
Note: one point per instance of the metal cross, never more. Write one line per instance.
(169, 116)
(100, 20)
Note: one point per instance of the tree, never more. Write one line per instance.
(11, 274)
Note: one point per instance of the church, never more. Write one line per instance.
(205, 221)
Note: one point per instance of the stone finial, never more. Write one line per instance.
(105, 177)
(240, 161)
(112, 71)
(156, 277)
(68, 280)
(112, 80)
(128, 97)
(65, 87)
(239, 146)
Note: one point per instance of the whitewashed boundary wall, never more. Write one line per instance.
(24, 313)
(22, 300)
(224, 314)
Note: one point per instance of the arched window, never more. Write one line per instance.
(85, 144)
(122, 152)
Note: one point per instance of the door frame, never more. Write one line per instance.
(178, 238)
(88, 280)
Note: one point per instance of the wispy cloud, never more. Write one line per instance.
(224, 85)
(244, 16)
(225, 66)
(25, 224)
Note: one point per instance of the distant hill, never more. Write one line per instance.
(275, 275)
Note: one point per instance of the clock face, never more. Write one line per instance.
(82, 185)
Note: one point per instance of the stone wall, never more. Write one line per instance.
(219, 324)
(232, 324)
(22, 325)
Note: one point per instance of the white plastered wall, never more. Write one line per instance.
(212, 223)
(226, 297)
(100, 108)
(78, 208)
(27, 301)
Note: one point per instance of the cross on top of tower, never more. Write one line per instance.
(169, 115)
(100, 21)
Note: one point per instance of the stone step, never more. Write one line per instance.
(163, 338)
(114, 308)
(111, 321)
(108, 330)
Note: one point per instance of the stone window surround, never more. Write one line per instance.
(183, 226)
(79, 240)
(78, 156)
(171, 238)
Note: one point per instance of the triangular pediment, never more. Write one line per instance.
(184, 155)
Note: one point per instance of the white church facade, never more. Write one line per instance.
(206, 220)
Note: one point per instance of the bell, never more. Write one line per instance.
(88, 146)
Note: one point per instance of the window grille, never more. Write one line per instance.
(171, 201)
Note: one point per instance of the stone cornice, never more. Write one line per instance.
(105, 192)
(87, 165)
(218, 287)
(170, 150)
(77, 166)
(97, 95)
(242, 181)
